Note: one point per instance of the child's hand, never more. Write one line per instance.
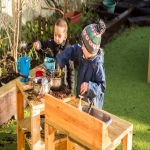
(36, 45)
(83, 88)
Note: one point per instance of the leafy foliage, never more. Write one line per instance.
(4, 43)
(88, 17)
(34, 55)
(30, 31)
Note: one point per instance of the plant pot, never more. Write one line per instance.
(110, 5)
(74, 16)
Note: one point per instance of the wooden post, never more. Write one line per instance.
(127, 140)
(20, 115)
(35, 129)
(39, 25)
(149, 65)
(49, 137)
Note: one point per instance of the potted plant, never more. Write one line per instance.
(73, 16)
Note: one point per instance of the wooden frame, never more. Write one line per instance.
(89, 131)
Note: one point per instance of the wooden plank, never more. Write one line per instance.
(49, 137)
(116, 140)
(149, 65)
(127, 141)
(25, 126)
(117, 130)
(61, 144)
(67, 99)
(20, 115)
(7, 106)
(122, 17)
(39, 25)
(7, 88)
(59, 115)
(35, 129)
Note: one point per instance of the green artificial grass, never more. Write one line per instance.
(128, 92)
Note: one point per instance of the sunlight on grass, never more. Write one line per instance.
(128, 93)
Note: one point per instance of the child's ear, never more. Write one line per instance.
(65, 37)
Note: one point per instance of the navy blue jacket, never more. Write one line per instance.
(90, 70)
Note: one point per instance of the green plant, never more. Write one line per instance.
(4, 42)
(30, 31)
(3, 71)
(88, 17)
(34, 57)
(33, 53)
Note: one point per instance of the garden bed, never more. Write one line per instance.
(8, 100)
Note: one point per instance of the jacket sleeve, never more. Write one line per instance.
(70, 75)
(71, 53)
(47, 44)
(98, 86)
(44, 44)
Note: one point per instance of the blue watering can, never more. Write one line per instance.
(23, 67)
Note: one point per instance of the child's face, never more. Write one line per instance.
(85, 52)
(59, 34)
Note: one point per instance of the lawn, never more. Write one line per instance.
(128, 93)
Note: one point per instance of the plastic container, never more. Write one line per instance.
(110, 5)
(49, 63)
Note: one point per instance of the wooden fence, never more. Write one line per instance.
(45, 26)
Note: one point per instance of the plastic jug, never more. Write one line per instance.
(23, 67)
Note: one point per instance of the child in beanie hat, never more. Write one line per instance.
(91, 82)
(91, 36)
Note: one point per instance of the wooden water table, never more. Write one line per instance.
(83, 128)
(64, 116)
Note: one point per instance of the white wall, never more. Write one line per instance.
(31, 12)
(34, 8)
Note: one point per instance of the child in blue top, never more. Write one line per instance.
(91, 82)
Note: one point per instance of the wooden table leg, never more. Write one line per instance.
(20, 115)
(69, 144)
(127, 142)
(35, 129)
(49, 137)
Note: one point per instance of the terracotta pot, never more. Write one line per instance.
(74, 16)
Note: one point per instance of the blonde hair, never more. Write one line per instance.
(62, 23)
